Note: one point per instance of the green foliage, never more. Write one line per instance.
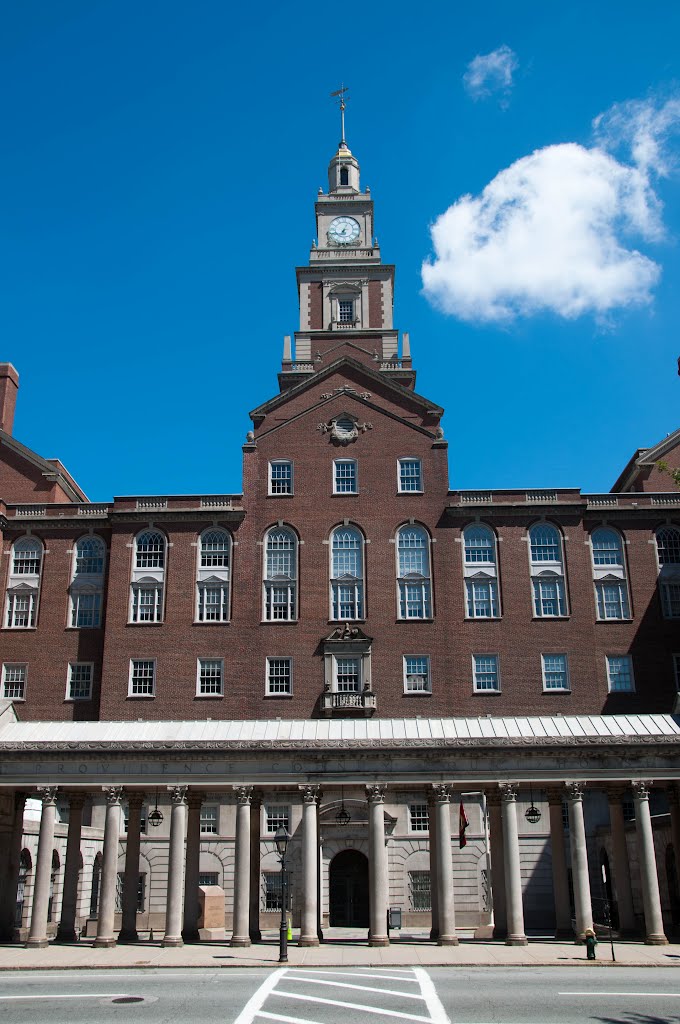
(674, 474)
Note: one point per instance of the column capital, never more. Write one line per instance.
(178, 794)
(575, 790)
(310, 794)
(555, 794)
(641, 789)
(195, 799)
(616, 794)
(441, 792)
(375, 793)
(76, 801)
(113, 794)
(48, 794)
(508, 791)
(244, 794)
(135, 800)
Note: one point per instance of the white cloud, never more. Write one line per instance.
(490, 73)
(554, 231)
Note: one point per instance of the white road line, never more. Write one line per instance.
(432, 1000)
(353, 974)
(78, 995)
(286, 1020)
(360, 988)
(250, 1010)
(645, 995)
(348, 1006)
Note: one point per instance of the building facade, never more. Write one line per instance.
(349, 648)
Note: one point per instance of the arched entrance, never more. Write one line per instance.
(348, 890)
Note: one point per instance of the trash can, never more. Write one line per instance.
(394, 917)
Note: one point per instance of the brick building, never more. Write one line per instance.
(346, 639)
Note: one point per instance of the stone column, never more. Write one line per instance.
(621, 866)
(255, 860)
(175, 897)
(66, 932)
(109, 877)
(240, 927)
(513, 875)
(10, 857)
(377, 866)
(37, 935)
(500, 917)
(447, 915)
(434, 882)
(579, 860)
(128, 929)
(674, 804)
(560, 878)
(649, 879)
(192, 907)
(310, 863)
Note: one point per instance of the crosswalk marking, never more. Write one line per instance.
(360, 988)
(353, 974)
(351, 1006)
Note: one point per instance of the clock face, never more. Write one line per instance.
(343, 231)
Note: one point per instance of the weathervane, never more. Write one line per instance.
(341, 94)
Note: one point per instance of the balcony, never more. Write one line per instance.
(363, 703)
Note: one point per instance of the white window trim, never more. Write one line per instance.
(208, 696)
(622, 584)
(284, 811)
(14, 664)
(69, 697)
(280, 494)
(210, 832)
(428, 685)
(486, 654)
(142, 696)
(418, 831)
(410, 458)
(490, 581)
(355, 463)
(556, 689)
(278, 693)
(610, 688)
(269, 582)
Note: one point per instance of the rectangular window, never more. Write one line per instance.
(14, 682)
(612, 600)
(410, 475)
(277, 817)
(620, 673)
(482, 602)
(419, 888)
(80, 674)
(348, 675)
(209, 820)
(555, 672)
(279, 676)
(86, 610)
(281, 477)
(417, 673)
(549, 598)
(213, 602)
(21, 610)
(345, 476)
(485, 673)
(346, 311)
(147, 604)
(279, 601)
(141, 892)
(418, 818)
(271, 891)
(414, 600)
(142, 678)
(210, 677)
(208, 878)
(142, 819)
(347, 601)
(670, 600)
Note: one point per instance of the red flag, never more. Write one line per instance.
(462, 825)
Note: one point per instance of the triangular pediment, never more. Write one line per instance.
(349, 634)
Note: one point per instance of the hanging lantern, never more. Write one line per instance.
(532, 813)
(156, 817)
(342, 818)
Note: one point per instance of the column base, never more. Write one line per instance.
(129, 935)
(656, 940)
(447, 940)
(37, 943)
(191, 935)
(517, 940)
(308, 940)
(104, 943)
(69, 935)
(172, 941)
(378, 940)
(241, 942)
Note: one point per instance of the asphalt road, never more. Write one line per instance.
(490, 995)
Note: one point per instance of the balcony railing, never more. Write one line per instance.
(364, 703)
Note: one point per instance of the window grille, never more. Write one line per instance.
(27, 557)
(419, 890)
(279, 675)
(485, 672)
(410, 475)
(210, 677)
(143, 679)
(345, 478)
(215, 550)
(545, 544)
(14, 682)
(209, 820)
(346, 311)
(417, 673)
(150, 550)
(555, 672)
(348, 675)
(607, 548)
(80, 681)
(419, 818)
(479, 546)
(278, 816)
(280, 477)
(208, 878)
(272, 896)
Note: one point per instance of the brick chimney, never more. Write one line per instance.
(9, 385)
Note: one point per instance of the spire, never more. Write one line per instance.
(343, 170)
(340, 93)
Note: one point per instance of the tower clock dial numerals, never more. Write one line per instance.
(343, 231)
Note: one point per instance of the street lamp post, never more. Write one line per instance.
(281, 839)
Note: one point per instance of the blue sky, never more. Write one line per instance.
(159, 166)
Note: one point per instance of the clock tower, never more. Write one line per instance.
(346, 292)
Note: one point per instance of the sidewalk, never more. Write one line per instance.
(340, 949)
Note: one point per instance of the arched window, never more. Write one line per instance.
(344, 176)
(480, 572)
(280, 575)
(547, 571)
(87, 582)
(347, 574)
(148, 577)
(609, 574)
(23, 588)
(413, 573)
(213, 576)
(24, 869)
(668, 553)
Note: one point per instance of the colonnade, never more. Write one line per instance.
(182, 908)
